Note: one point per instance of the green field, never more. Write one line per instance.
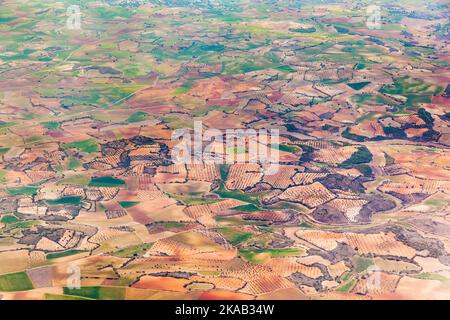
(183, 89)
(9, 219)
(88, 146)
(132, 251)
(75, 200)
(73, 163)
(288, 148)
(128, 204)
(2, 176)
(106, 181)
(247, 208)
(358, 85)
(51, 125)
(347, 287)
(361, 263)
(97, 293)
(138, 117)
(246, 197)
(76, 179)
(15, 282)
(233, 235)
(50, 296)
(57, 255)
(25, 190)
(362, 155)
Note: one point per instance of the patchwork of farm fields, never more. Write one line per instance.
(98, 96)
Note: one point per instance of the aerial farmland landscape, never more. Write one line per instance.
(350, 100)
